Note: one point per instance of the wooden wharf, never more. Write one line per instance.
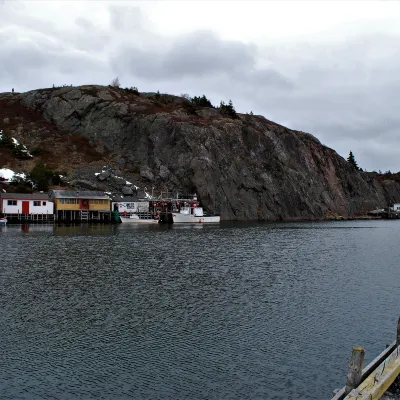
(31, 218)
(371, 382)
(62, 216)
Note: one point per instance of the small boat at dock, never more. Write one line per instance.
(3, 221)
(194, 214)
(138, 219)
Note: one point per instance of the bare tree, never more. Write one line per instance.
(186, 96)
(115, 82)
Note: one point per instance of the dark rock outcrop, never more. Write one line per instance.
(243, 168)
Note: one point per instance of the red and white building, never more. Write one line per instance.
(26, 204)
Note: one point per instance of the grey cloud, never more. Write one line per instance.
(344, 92)
(38, 62)
(126, 18)
(202, 53)
(199, 54)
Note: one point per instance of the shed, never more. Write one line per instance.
(130, 205)
(68, 200)
(25, 203)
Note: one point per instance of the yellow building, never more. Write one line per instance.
(81, 205)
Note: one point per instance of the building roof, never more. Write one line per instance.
(79, 194)
(25, 196)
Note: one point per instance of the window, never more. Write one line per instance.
(11, 202)
(68, 201)
(43, 203)
(36, 203)
(98, 201)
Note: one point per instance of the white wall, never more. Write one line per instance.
(396, 207)
(42, 209)
(132, 207)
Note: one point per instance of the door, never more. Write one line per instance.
(25, 207)
(84, 204)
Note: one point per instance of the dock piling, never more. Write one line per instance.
(372, 381)
(355, 369)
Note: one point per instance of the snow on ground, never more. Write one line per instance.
(6, 173)
(127, 183)
(16, 144)
(25, 150)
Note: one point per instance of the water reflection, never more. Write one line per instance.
(235, 311)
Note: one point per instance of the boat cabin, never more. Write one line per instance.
(26, 204)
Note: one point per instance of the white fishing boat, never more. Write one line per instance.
(194, 214)
(138, 219)
(3, 221)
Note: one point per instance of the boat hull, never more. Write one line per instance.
(3, 221)
(129, 220)
(192, 219)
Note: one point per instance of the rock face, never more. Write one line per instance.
(242, 168)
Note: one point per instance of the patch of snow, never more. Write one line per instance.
(1, 134)
(25, 150)
(21, 175)
(147, 195)
(7, 173)
(136, 187)
(97, 173)
(128, 183)
(61, 176)
(15, 141)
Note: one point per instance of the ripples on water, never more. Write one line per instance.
(237, 311)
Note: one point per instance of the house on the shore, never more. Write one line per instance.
(81, 205)
(25, 206)
(395, 207)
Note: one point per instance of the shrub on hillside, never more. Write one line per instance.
(132, 89)
(201, 101)
(42, 177)
(228, 109)
(18, 150)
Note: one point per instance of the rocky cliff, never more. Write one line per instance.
(243, 168)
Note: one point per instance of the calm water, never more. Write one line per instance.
(237, 311)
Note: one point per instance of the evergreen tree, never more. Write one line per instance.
(41, 176)
(228, 109)
(201, 101)
(352, 161)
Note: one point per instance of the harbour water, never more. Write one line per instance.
(235, 311)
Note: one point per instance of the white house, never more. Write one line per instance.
(395, 207)
(21, 203)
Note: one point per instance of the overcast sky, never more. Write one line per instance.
(328, 68)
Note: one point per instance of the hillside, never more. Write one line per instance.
(243, 168)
